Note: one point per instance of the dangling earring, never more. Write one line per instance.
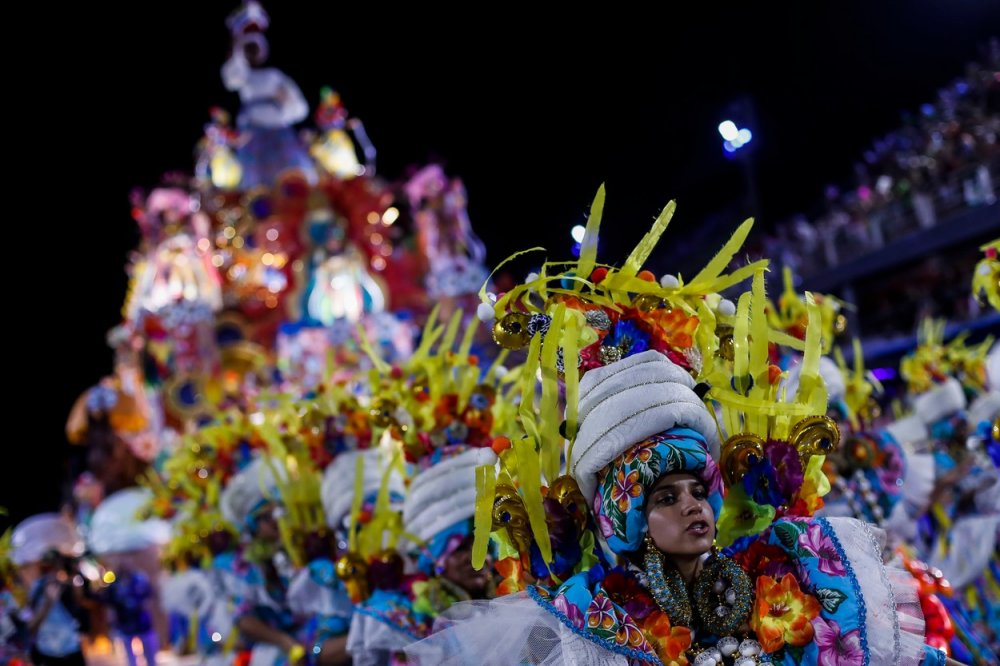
(667, 587)
(723, 595)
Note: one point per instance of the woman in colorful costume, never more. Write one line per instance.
(199, 591)
(788, 588)
(250, 500)
(881, 480)
(441, 410)
(954, 394)
(868, 469)
(377, 484)
(132, 548)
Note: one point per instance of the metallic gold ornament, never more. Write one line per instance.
(382, 413)
(727, 347)
(815, 435)
(353, 570)
(509, 513)
(566, 491)
(313, 417)
(350, 566)
(739, 453)
(647, 302)
(511, 332)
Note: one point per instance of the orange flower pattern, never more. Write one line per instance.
(783, 613)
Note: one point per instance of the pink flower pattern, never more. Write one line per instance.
(835, 648)
(571, 611)
(603, 522)
(816, 543)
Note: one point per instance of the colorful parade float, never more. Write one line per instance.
(265, 284)
(327, 438)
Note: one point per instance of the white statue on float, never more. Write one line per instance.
(271, 104)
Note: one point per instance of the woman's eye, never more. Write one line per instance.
(700, 494)
(665, 499)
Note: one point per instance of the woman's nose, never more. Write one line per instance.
(691, 507)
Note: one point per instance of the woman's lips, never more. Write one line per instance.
(698, 528)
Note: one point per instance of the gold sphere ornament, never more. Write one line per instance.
(647, 302)
(353, 570)
(511, 332)
(382, 412)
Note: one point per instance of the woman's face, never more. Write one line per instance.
(267, 526)
(458, 569)
(680, 518)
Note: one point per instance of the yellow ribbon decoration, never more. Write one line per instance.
(483, 518)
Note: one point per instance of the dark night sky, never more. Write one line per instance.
(533, 113)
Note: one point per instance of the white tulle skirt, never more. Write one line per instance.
(894, 623)
(372, 642)
(507, 631)
(514, 630)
